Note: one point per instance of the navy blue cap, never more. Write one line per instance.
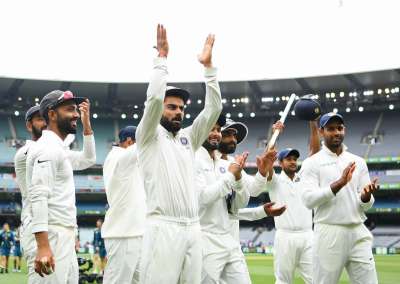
(288, 152)
(177, 92)
(128, 131)
(55, 98)
(307, 109)
(327, 117)
(31, 112)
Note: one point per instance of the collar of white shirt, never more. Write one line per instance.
(285, 176)
(168, 133)
(205, 155)
(330, 153)
(52, 136)
(29, 142)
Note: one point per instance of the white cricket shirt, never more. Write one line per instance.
(318, 172)
(214, 183)
(125, 194)
(20, 172)
(167, 161)
(284, 191)
(50, 183)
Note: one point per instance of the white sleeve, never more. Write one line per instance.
(242, 197)
(364, 180)
(86, 158)
(313, 195)
(130, 157)
(250, 214)
(271, 184)
(153, 107)
(40, 187)
(210, 193)
(207, 118)
(255, 184)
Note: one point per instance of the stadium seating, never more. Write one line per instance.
(296, 135)
(391, 136)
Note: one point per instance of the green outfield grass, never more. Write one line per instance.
(261, 271)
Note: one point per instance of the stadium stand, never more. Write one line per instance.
(372, 133)
(358, 125)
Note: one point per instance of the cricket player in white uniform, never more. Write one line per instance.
(171, 250)
(223, 190)
(234, 133)
(124, 222)
(293, 238)
(337, 186)
(35, 124)
(51, 189)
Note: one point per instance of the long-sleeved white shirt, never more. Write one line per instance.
(215, 183)
(20, 172)
(125, 194)
(284, 191)
(50, 183)
(247, 214)
(318, 172)
(167, 161)
(255, 185)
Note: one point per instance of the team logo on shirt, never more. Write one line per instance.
(222, 170)
(184, 141)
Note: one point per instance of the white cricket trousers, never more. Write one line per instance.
(123, 257)
(343, 246)
(223, 260)
(171, 251)
(292, 249)
(62, 244)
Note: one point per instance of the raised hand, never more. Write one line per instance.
(369, 190)
(278, 126)
(265, 162)
(84, 109)
(345, 178)
(237, 166)
(271, 211)
(162, 42)
(206, 55)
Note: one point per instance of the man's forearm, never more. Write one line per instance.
(87, 128)
(337, 186)
(315, 145)
(42, 240)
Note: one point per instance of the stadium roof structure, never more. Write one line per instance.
(376, 90)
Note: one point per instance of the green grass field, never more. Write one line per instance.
(261, 271)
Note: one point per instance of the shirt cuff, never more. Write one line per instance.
(37, 228)
(210, 72)
(160, 61)
(260, 212)
(237, 185)
(328, 193)
(88, 138)
(259, 178)
(367, 205)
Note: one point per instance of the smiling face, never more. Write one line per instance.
(289, 164)
(214, 138)
(173, 113)
(65, 116)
